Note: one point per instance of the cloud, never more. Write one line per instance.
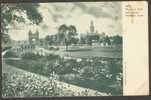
(106, 17)
(101, 9)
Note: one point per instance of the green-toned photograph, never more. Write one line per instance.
(61, 49)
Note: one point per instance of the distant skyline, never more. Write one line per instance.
(105, 15)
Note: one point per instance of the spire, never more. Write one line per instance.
(91, 27)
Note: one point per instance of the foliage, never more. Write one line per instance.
(28, 85)
(6, 42)
(31, 56)
(53, 48)
(107, 40)
(6, 38)
(10, 54)
(8, 16)
(52, 56)
(67, 34)
(50, 39)
(105, 71)
(82, 40)
(117, 40)
(62, 32)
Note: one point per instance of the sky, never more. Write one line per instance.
(105, 15)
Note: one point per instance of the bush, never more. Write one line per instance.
(31, 56)
(53, 48)
(102, 71)
(10, 54)
(52, 56)
(27, 84)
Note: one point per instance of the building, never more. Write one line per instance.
(33, 38)
(28, 46)
(93, 36)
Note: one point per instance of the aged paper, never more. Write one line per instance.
(135, 48)
(75, 49)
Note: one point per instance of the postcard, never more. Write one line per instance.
(67, 49)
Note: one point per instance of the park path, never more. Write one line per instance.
(65, 86)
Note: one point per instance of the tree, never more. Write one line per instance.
(72, 30)
(89, 40)
(67, 34)
(74, 40)
(107, 40)
(9, 17)
(49, 40)
(62, 32)
(6, 42)
(117, 40)
(71, 36)
(82, 40)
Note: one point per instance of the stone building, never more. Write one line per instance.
(27, 46)
(92, 36)
(33, 38)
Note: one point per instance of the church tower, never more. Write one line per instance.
(92, 28)
(33, 37)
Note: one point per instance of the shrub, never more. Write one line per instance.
(10, 54)
(31, 56)
(102, 71)
(52, 56)
(27, 84)
(53, 48)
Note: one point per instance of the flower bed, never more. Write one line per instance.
(19, 83)
(102, 74)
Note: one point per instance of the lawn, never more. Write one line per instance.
(94, 68)
(110, 52)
